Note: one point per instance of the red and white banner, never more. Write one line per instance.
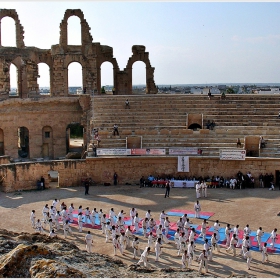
(158, 152)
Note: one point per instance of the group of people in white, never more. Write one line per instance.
(123, 238)
(201, 189)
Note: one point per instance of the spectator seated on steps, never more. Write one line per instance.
(115, 129)
(127, 104)
(238, 143)
(223, 96)
(262, 142)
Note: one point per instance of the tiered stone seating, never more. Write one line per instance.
(161, 120)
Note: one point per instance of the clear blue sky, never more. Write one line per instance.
(188, 42)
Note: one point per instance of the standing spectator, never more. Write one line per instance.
(167, 187)
(115, 129)
(127, 104)
(42, 182)
(115, 178)
(113, 90)
(266, 180)
(86, 186)
(261, 180)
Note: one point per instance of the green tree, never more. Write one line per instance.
(230, 90)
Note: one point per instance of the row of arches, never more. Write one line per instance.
(75, 77)
(74, 139)
(8, 31)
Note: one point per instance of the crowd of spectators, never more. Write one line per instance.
(239, 181)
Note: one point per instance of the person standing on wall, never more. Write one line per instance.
(115, 178)
(167, 189)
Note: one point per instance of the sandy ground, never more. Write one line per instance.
(258, 207)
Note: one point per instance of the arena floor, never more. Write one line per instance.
(257, 207)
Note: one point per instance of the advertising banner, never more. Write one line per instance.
(183, 151)
(232, 154)
(113, 152)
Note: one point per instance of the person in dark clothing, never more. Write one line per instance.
(115, 178)
(167, 189)
(42, 182)
(86, 186)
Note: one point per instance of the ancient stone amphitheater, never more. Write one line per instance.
(41, 122)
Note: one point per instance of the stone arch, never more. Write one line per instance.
(5, 63)
(139, 54)
(23, 142)
(44, 65)
(115, 70)
(85, 29)
(67, 63)
(195, 126)
(19, 28)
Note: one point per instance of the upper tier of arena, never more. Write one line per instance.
(165, 121)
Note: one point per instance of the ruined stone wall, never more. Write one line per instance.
(24, 175)
(89, 54)
(35, 115)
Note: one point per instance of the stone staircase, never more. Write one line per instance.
(161, 120)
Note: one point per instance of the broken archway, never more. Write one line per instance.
(23, 142)
(74, 140)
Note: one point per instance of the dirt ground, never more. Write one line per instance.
(257, 207)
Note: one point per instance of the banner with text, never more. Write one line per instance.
(183, 164)
(234, 154)
(158, 152)
(183, 151)
(113, 152)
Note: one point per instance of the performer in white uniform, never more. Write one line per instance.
(187, 227)
(197, 209)
(180, 224)
(89, 241)
(144, 257)
(135, 246)
(70, 211)
(182, 243)
(176, 238)
(216, 229)
(162, 217)
(80, 222)
(128, 235)
(208, 249)
(158, 247)
(259, 235)
(236, 232)
(233, 243)
(117, 245)
(197, 190)
(190, 253)
(203, 261)
(248, 256)
(32, 218)
(136, 222)
(132, 214)
(214, 242)
(264, 253)
(184, 259)
(227, 234)
(103, 222)
(203, 229)
(273, 236)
